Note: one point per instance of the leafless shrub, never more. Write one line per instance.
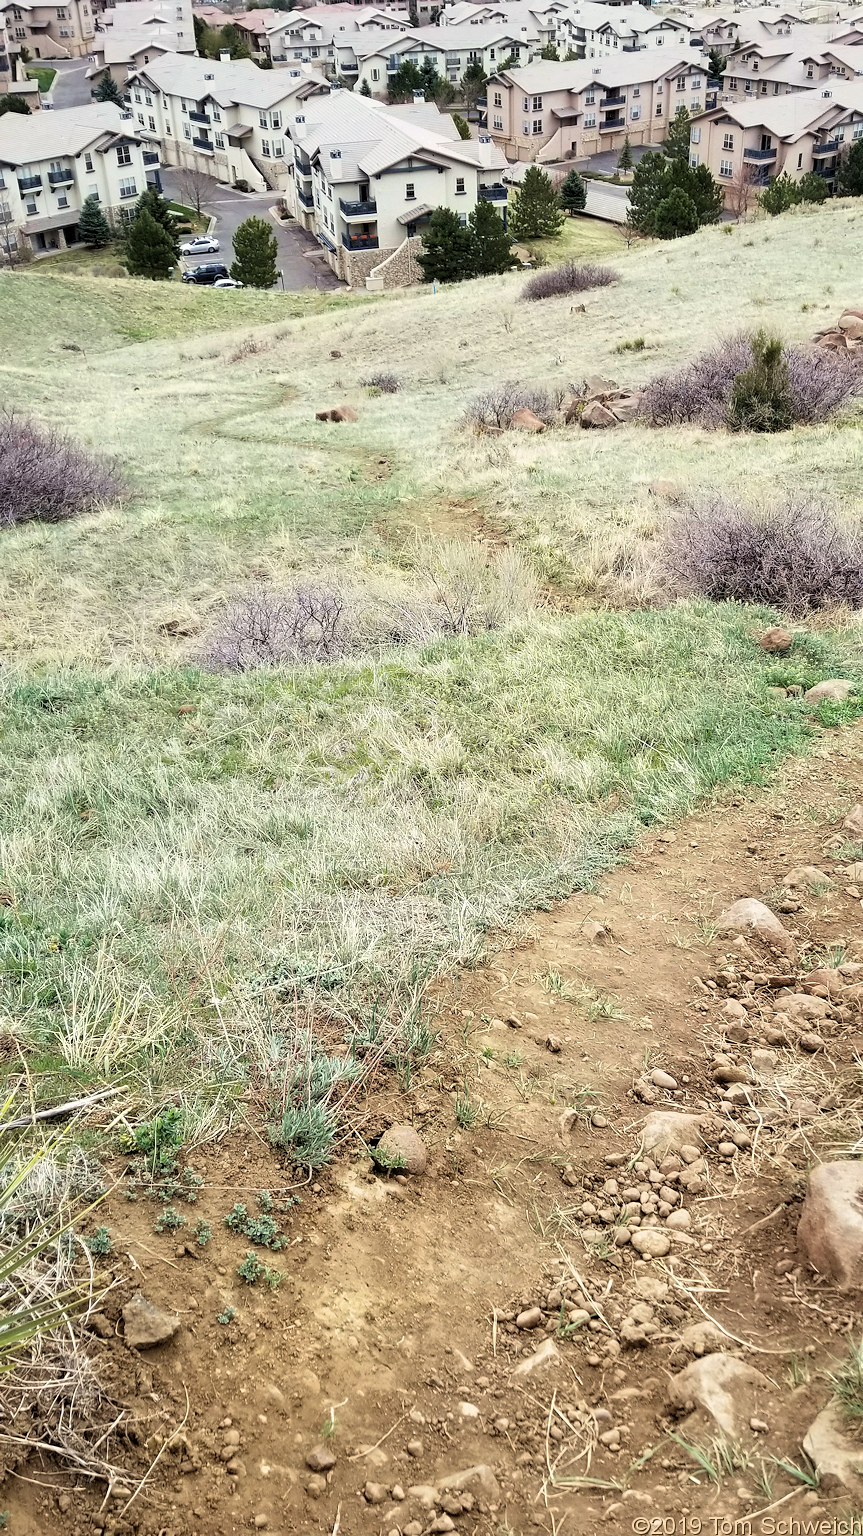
(797, 557)
(570, 277)
(465, 593)
(496, 407)
(46, 477)
(385, 383)
(248, 347)
(268, 627)
(820, 382)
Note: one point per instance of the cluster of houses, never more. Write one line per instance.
(306, 116)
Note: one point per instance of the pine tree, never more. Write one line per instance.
(573, 193)
(256, 250)
(447, 254)
(718, 63)
(624, 159)
(653, 180)
(551, 53)
(473, 84)
(492, 246)
(676, 143)
(405, 81)
(462, 125)
(812, 188)
(365, 89)
(93, 227)
(535, 213)
(154, 203)
(849, 172)
(14, 103)
(761, 395)
(676, 215)
(429, 77)
(782, 193)
(108, 90)
(149, 252)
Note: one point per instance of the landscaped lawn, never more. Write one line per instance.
(44, 75)
(580, 239)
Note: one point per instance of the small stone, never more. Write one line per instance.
(651, 1243)
(261, 1522)
(776, 641)
(531, 1318)
(610, 1437)
(316, 1486)
(811, 1042)
(662, 1079)
(413, 1528)
(760, 1426)
(320, 1458)
(468, 1410)
(836, 688)
(678, 1221)
(414, 1447)
(727, 1149)
(753, 919)
(375, 1493)
(400, 1147)
(146, 1325)
(442, 1524)
(830, 1230)
(554, 1045)
(546, 1357)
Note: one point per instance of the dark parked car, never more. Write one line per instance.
(208, 273)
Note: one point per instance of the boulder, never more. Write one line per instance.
(754, 920)
(572, 411)
(595, 385)
(703, 1338)
(146, 1325)
(836, 1458)
(527, 421)
(624, 406)
(830, 1230)
(337, 413)
(401, 1149)
(668, 1131)
(718, 1387)
(597, 415)
(854, 821)
(806, 877)
(837, 688)
(777, 641)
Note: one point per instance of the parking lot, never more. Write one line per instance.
(301, 260)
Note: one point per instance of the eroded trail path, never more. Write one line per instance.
(454, 1351)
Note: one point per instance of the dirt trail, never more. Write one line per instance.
(392, 1339)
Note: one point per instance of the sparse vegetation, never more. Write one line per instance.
(813, 386)
(496, 407)
(571, 277)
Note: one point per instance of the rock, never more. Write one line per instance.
(854, 820)
(699, 1339)
(670, 1131)
(400, 1147)
(597, 933)
(662, 1079)
(830, 1229)
(147, 1325)
(527, 421)
(753, 919)
(375, 1493)
(777, 641)
(547, 1357)
(731, 1074)
(554, 1045)
(479, 1479)
(763, 1061)
(316, 1486)
(832, 1453)
(414, 1448)
(678, 1221)
(597, 415)
(651, 1243)
(531, 1318)
(320, 1458)
(837, 688)
(721, 1387)
(811, 1042)
(595, 384)
(806, 877)
(625, 406)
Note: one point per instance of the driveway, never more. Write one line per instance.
(71, 87)
(301, 260)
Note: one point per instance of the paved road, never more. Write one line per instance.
(71, 87)
(231, 208)
(604, 199)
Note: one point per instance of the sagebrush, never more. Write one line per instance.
(46, 477)
(570, 277)
(818, 383)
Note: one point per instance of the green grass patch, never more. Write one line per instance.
(44, 74)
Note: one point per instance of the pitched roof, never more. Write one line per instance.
(55, 135)
(788, 117)
(372, 136)
(239, 81)
(621, 69)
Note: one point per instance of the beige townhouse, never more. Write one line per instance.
(226, 118)
(118, 16)
(746, 144)
(52, 162)
(564, 111)
(59, 31)
(367, 178)
(591, 30)
(314, 36)
(371, 60)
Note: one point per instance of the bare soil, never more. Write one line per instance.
(392, 1339)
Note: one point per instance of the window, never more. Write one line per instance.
(376, 74)
(124, 154)
(141, 118)
(726, 168)
(459, 186)
(275, 119)
(138, 99)
(537, 103)
(731, 82)
(88, 162)
(265, 148)
(30, 205)
(262, 120)
(857, 131)
(525, 106)
(410, 193)
(728, 141)
(681, 82)
(187, 130)
(537, 125)
(525, 128)
(127, 187)
(590, 119)
(152, 125)
(634, 114)
(62, 200)
(589, 98)
(800, 162)
(278, 149)
(216, 115)
(693, 161)
(498, 123)
(695, 136)
(636, 91)
(462, 218)
(695, 83)
(776, 87)
(148, 100)
(220, 141)
(498, 100)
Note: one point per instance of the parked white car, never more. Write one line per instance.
(202, 245)
(227, 282)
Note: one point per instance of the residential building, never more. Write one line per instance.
(746, 144)
(174, 16)
(51, 162)
(312, 36)
(50, 30)
(592, 30)
(226, 118)
(552, 111)
(367, 178)
(372, 59)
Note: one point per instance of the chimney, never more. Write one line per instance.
(225, 56)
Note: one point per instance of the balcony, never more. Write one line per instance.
(610, 123)
(29, 183)
(199, 117)
(759, 155)
(360, 242)
(202, 143)
(612, 101)
(150, 157)
(496, 193)
(826, 147)
(358, 210)
(305, 198)
(60, 178)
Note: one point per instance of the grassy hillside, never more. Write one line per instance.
(173, 838)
